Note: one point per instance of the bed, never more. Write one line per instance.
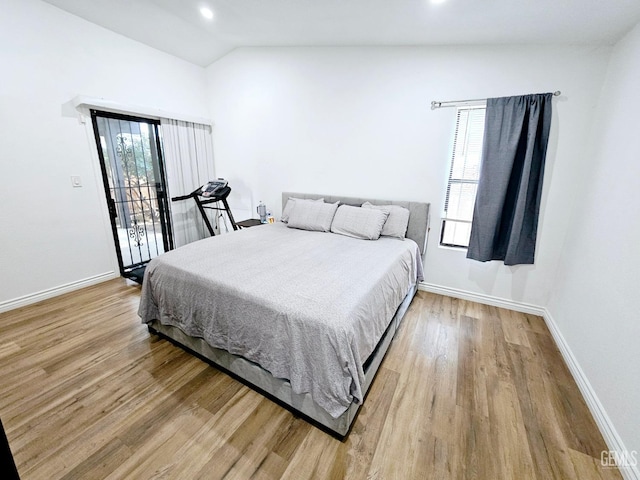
(304, 317)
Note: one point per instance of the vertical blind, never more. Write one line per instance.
(463, 176)
(188, 154)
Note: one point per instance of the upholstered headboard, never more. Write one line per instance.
(417, 230)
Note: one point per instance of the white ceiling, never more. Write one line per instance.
(176, 26)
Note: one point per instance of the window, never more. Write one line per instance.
(463, 177)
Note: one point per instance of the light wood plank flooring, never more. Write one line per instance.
(466, 391)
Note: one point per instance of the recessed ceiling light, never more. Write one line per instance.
(206, 13)
(437, 2)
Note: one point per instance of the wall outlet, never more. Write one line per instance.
(76, 181)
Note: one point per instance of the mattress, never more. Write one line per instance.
(308, 307)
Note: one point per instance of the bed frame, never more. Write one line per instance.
(280, 390)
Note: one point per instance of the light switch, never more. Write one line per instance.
(76, 181)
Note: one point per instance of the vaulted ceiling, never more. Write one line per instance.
(177, 26)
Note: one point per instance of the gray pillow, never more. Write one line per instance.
(365, 223)
(289, 206)
(314, 216)
(397, 221)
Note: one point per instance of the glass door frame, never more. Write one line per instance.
(161, 186)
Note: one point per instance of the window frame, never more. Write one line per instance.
(446, 217)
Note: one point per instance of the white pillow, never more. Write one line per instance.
(365, 223)
(397, 221)
(286, 211)
(314, 216)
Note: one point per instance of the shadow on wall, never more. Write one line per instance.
(484, 275)
(241, 199)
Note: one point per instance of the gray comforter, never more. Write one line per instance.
(309, 307)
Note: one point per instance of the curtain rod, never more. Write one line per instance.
(475, 101)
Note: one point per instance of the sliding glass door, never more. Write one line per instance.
(134, 182)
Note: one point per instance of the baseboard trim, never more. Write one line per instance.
(482, 298)
(55, 291)
(606, 427)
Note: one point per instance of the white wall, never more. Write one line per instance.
(595, 297)
(357, 121)
(50, 233)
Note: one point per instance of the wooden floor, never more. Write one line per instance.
(466, 391)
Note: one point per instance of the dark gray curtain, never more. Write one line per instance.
(505, 219)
